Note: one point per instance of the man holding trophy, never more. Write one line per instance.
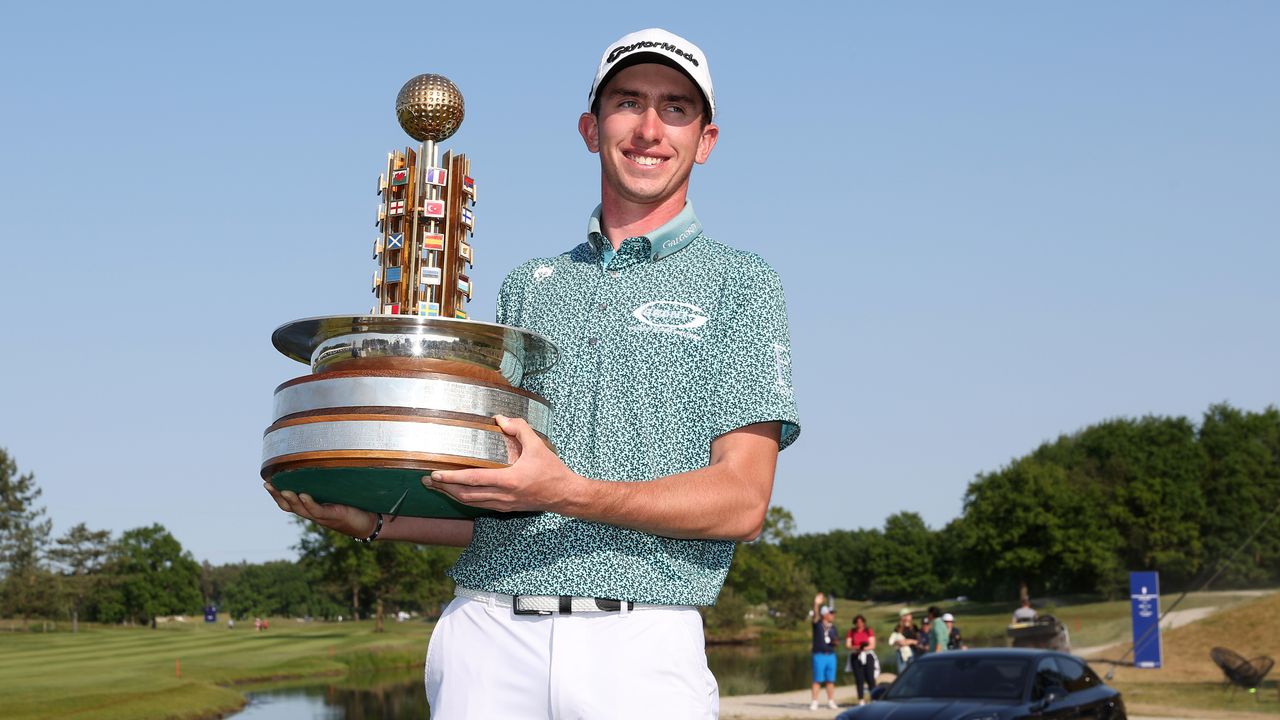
(671, 400)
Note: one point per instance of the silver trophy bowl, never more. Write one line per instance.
(326, 343)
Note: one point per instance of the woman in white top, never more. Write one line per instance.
(904, 638)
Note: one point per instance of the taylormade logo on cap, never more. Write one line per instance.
(664, 47)
(613, 54)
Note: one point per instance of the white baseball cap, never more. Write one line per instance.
(655, 45)
(948, 617)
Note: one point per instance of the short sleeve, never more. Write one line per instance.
(510, 300)
(752, 356)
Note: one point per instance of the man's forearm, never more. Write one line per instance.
(428, 531)
(727, 500)
(712, 503)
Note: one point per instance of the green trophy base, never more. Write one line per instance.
(390, 491)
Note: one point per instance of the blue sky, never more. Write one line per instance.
(996, 222)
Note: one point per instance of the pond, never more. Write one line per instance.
(740, 669)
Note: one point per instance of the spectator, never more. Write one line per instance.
(923, 647)
(1025, 613)
(824, 651)
(937, 637)
(861, 640)
(954, 641)
(904, 639)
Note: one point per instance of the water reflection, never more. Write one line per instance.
(295, 703)
(756, 669)
(740, 669)
(395, 696)
(401, 702)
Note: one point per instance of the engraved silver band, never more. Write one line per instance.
(409, 392)
(384, 435)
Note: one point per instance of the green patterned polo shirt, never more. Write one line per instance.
(677, 340)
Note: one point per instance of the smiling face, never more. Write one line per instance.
(649, 134)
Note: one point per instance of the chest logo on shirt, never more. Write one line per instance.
(543, 272)
(669, 316)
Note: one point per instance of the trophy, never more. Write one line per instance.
(413, 386)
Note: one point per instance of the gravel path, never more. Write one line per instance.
(1175, 619)
(783, 706)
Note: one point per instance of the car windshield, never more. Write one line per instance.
(962, 676)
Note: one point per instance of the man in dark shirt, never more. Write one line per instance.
(954, 641)
(824, 651)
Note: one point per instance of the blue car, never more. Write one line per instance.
(994, 684)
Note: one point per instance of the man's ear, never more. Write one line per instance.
(706, 142)
(589, 129)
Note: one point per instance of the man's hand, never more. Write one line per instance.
(535, 480)
(343, 518)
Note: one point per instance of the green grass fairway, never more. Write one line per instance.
(119, 673)
(123, 673)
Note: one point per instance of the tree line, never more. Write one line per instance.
(1075, 515)
(144, 573)
(1078, 513)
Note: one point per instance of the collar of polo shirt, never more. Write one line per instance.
(670, 238)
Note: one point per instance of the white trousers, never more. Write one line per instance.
(488, 663)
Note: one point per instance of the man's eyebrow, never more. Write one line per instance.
(677, 98)
(669, 97)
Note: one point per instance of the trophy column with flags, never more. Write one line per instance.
(426, 215)
(413, 386)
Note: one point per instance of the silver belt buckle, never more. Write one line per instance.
(518, 610)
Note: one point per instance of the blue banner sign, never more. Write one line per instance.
(1144, 596)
